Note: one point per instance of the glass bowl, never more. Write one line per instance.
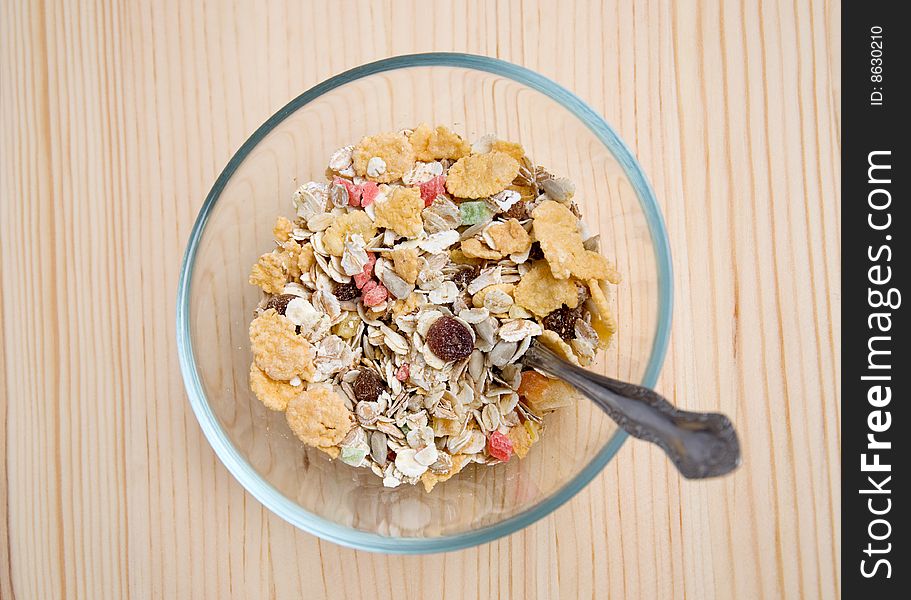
(475, 96)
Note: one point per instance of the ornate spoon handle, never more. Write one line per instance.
(699, 444)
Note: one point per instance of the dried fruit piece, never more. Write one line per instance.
(394, 150)
(369, 191)
(449, 340)
(361, 279)
(351, 223)
(557, 230)
(499, 446)
(374, 294)
(472, 213)
(523, 436)
(403, 371)
(350, 197)
(432, 144)
(345, 291)
(280, 302)
(433, 188)
(278, 350)
(542, 394)
(275, 395)
(368, 386)
(481, 175)
(318, 417)
(401, 212)
(541, 293)
(562, 321)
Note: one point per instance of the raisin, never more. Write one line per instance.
(280, 302)
(465, 276)
(517, 211)
(449, 339)
(368, 386)
(562, 321)
(346, 291)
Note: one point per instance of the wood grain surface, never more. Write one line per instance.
(116, 118)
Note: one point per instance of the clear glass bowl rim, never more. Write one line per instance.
(285, 508)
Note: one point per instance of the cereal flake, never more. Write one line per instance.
(393, 149)
(481, 175)
(275, 395)
(432, 144)
(541, 293)
(318, 417)
(557, 229)
(508, 238)
(278, 350)
(401, 212)
(355, 222)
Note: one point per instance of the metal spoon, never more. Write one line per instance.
(699, 444)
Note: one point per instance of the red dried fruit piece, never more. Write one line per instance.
(361, 279)
(354, 191)
(368, 386)
(499, 446)
(375, 294)
(403, 372)
(433, 188)
(449, 339)
(369, 192)
(345, 291)
(280, 302)
(562, 321)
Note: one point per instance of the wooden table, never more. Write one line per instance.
(116, 118)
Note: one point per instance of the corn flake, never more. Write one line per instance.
(430, 479)
(475, 248)
(348, 224)
(402, 212)
(433, 144)
(392, 148)
(514, 149)
(406, 264)
(409, 304)
(278, 350)
(481, 175)
(509, 237)
(275, 395)
(269, 273)
(478, 299)
(305, 260)
(282, 229)
(541, 293)
(602, 319)
(557, 229)
(552, 340)
(318, 417)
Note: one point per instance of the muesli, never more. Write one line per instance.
(400, 300)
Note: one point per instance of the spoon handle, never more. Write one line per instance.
(700, 445)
